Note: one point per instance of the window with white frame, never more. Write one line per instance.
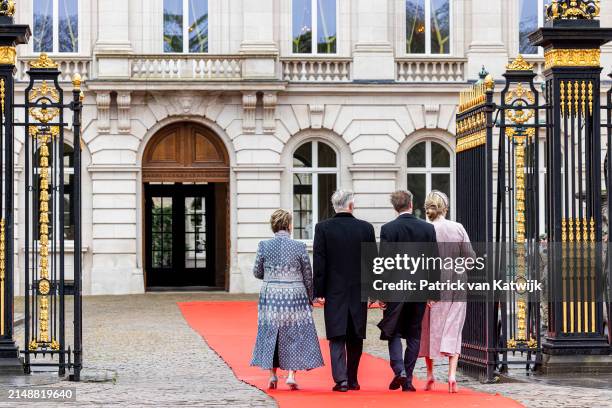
(315, 178)
(314, 26)
(429, 168)
(186, 26)
(531, 17)
(55, 25)
(428, 26)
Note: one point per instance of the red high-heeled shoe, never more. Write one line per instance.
(430, 384)
(452, 386)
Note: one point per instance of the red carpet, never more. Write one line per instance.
(230, 328)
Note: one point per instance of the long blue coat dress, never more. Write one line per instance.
(285, 319)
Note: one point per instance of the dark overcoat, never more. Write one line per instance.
(404, 319)
(337, 272)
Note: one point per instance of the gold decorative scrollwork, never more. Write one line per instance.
(573, 9)
(8, 55)
(472, 141)
(568, 57)
(43, 95)
(44, 91)
(43, 62)
(520, 93)
(519, 64)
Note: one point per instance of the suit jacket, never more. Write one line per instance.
(404, 319)
(337, 272)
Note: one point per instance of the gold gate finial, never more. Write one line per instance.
(43, 61)
(489, 82)
(7, 8)
(573, 9)
(76, 81)
(519, 64)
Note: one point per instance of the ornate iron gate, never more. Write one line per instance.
(47, 285)
(562, 187)
(43, 123)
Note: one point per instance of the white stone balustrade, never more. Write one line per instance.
(174, 67)
(316, 70)
(430, 70)
(68, 66)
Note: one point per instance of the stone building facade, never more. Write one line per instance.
(201, 117)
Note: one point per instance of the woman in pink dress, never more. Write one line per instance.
(443, 320)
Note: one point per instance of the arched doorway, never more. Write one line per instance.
(185, 173)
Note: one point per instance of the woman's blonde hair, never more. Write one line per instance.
(436, 204)
(280, 220)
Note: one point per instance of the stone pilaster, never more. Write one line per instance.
(487, 46)
(113, 39)
(258, 42)
(373, 54)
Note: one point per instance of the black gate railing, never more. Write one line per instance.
(474, 184)
(46, 155)
(499, 206)
(45, 120)
(547, 219)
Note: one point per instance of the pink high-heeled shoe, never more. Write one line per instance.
(452, 386)
(430, 384)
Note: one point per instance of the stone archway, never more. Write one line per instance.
(185, 174)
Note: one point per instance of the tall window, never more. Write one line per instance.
(186, 26)
(315, 178)
(428, 26)
(531, 16)
(314, 26)
(56, 25)
(429, 168)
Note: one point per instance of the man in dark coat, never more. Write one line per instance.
(403, 320)
(337, 285)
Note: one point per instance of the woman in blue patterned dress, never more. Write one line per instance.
(286, 334)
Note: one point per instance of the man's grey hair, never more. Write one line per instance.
(341, 200)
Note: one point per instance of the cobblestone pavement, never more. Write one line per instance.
(139, 351)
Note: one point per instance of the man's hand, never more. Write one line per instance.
(320, 300)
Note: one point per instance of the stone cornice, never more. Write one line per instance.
(253, 169)
(378, 168)
(108, 168)
(174, 85)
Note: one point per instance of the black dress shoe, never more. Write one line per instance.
(397, 382)
(354, 387)
(408, 388)
(341, 387)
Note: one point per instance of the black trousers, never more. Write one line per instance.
(403, 365)
(412, 316)
(345, 352)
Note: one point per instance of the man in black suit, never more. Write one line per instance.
(337, 285)
(403, 320)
